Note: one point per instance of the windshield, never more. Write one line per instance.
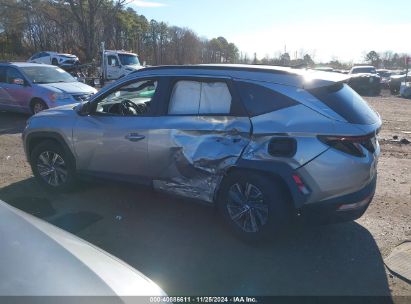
(363, 70)
(47, 74)
(128, 59)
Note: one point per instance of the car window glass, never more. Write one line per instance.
(112, 60)
(259, 100)
(185, 98)
(12, 74)
(2, 74)
(194, 98)
(346, 102)
(130, 100)
(215, 98)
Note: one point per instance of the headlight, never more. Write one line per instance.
(59, 96)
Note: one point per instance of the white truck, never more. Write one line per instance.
(110, 66)
(116, 64)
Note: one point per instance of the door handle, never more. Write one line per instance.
(134, 137)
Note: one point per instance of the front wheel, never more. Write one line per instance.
(38, 106)
(253, 205)
(52, 166)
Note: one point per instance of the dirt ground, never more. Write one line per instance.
(185, 249)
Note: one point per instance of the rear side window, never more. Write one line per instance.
(346, 102)
(259, 100)
(200, 98)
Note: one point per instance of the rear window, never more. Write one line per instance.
(363, 70)
(347, 103)
(259, 100)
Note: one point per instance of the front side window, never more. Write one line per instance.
(129, 100)
(200, 98)
(112, 60)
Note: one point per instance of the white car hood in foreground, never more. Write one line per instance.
(39, 259)
(70, 87)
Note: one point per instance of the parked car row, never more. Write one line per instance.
(367, 80)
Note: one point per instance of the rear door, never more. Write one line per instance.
(200, 132)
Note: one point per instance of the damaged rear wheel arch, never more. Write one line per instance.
(275, 178)
(253, 204)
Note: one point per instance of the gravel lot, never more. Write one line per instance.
(185, 249)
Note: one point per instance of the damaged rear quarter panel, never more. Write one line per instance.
(189, 154)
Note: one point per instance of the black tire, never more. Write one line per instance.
(38, 106)
(274, 200)
(47, 149)
(54, 62)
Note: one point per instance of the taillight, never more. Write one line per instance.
(350, 144)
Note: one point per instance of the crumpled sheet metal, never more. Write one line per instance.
(307, 149)
(198, 161)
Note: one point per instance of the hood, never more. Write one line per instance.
(69, 87)
(364, 75)
(67, 55)
(134, 67)
(39, 259)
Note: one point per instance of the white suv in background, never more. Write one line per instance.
(54, 58)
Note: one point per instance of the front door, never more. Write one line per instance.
(15, 92)
(112, 141)
(114, 70)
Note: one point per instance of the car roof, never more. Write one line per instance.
(276, 74)
(24, 64)
(69, 265)
(363, 66)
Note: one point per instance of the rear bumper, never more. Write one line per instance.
(340, 209)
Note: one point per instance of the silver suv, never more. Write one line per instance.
(260, 143)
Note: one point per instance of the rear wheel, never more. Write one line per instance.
(38, 106)
(52, 167)
(253, 205)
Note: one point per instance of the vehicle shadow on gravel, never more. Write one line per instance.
(12, 123)
(184, 248)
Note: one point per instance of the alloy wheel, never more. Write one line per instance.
(52, 168)
(246, 207)
(38, 107)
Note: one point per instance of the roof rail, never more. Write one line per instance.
(242, 67)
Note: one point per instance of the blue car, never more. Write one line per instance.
(32, 88)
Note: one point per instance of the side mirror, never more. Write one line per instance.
(18, 81)
(85, 109)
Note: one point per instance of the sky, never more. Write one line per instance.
(327, 30)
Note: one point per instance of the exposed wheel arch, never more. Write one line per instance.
(36, 138)
(276, 178)
(34, 100)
